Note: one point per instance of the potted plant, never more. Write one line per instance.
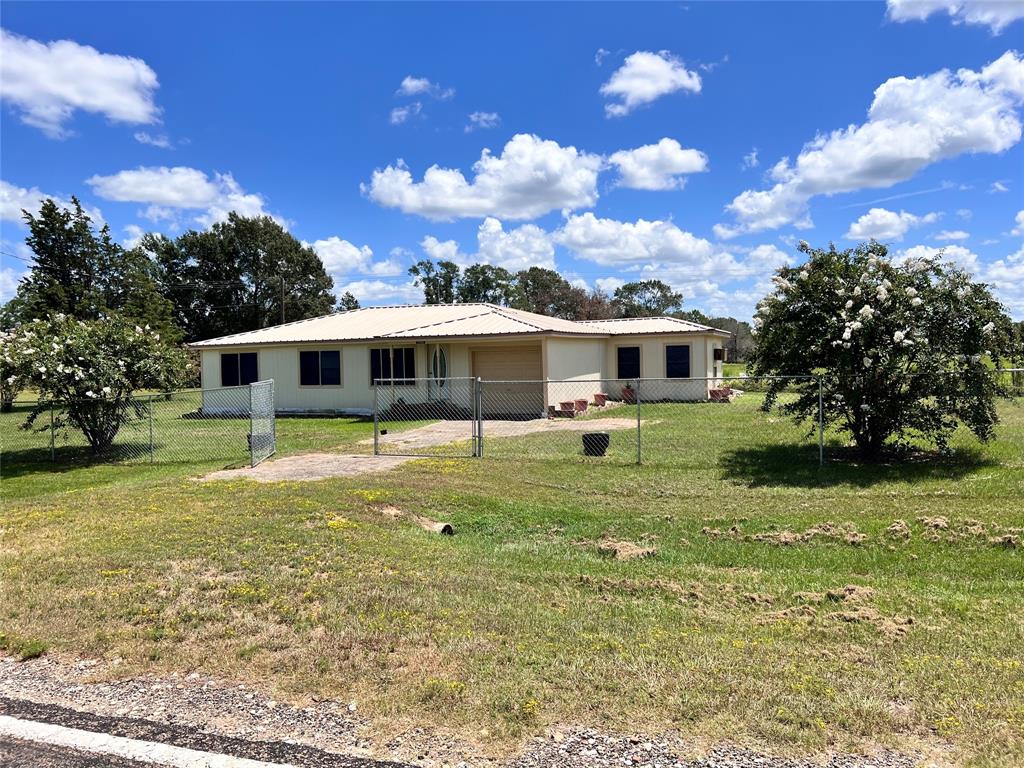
(628, 394)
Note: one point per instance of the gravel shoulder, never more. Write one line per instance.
(203, 713)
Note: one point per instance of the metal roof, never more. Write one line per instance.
(439, 321)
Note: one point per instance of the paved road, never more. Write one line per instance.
(160, 733)
(15, 753)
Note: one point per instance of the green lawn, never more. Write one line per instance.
(520, 621)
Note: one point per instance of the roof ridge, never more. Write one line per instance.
(503, 311)
(439, 322)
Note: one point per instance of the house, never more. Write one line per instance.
(427, 353)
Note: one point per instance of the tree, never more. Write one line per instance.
(241, 274)
(348, 302)
(487, 283)
(904, 349)
(439, 283)
(646, 298)
(543, 291)
(742, 342)
(92, 370)
(84, 274)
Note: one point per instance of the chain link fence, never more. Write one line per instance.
(191, 426)
(692, 422)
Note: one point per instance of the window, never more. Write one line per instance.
(238, 368)
(677, 361)
(394, 366)
(320, 368)
(629, 362)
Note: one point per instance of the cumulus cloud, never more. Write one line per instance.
(912, 123)
(15, 199)
(482, 120)
(530, 177)
(1018, 231)
(1006, 276)
(997, 187)
(645, 77)
(658, 166)
(133, 235)
(963, 257)
(521, 248)
(400, 114)
(965, 213)
(615, 243)
(45, 83)
(168, 191)
(377, 291)
(609, 284)
(340, 257)
(951, 234)
(994, 14)
(885, 225)
(421, 86)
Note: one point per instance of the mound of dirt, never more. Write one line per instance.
(898, 530)
(625, 550)
(891, 626)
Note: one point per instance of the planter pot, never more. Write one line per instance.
(567, 405)
(600, 399)
(629, 395)
(595, 443)
(581, 405)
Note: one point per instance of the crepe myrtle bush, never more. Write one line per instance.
(90, 371)
(905, 349)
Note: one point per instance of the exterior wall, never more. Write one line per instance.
(652, 365)
(577, 364)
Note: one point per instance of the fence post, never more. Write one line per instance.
(376, 418)
(151, 459)
(639, 452)
(252, 432)
(821, 425)
(53, 454)
(479, 418)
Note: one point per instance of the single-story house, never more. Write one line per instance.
(427, 353)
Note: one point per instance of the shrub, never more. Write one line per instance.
(904, 349)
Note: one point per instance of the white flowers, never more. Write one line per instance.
(782, 283)
(42, 369)
(11, 379)
(849, 303)
(988, 327)
(866, 312)
(856, 291)
(106, 390)
(911, 291)
(867, 362)
(916, 301)
(90, 393)
(804, 274)
(899, 336)
(865, 407)
(847, 333)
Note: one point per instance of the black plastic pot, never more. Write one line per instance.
(595, 443)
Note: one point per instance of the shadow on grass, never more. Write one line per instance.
(797, 466)
(66, 458)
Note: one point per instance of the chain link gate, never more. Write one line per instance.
(427, 417)
(262, 423)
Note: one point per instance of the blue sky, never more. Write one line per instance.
(696, 143)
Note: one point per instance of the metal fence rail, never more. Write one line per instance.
(227, 424)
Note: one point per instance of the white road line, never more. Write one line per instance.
(131, 749)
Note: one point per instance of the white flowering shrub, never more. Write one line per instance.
(90, 370)
(12, 371)
(905, 349)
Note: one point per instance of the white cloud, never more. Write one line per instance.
(160, 140)
(645, 77)
(45, 83)
(750, 159)
(962, 257)
(134, 235)
(997, 187)
(1006, 276)
(951, 234)
(400, 114)
(616, 243)
(658, 166)
(600, 55)
(421, 86)
(994, 14)
(529, 178)
(884, 225)
(609, 284)
(521, 248)
(340, 257)
(482, 120)
(965, 213)
(1018, 231)
(15, 199)
(376, 291)
(169, 190)
(912, 123)
(9, 279)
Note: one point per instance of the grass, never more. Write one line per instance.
(520, 621)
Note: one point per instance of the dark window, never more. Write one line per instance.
(238, 368)
(677, 361)
(319, 368)
(309, 368)
(629, 362)
(393, 366)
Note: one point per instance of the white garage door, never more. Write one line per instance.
(520, 369)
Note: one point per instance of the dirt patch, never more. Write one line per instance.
(845, 532)
(624, 550)
(311, 466)
(898, 530)
(851, 592)
(890, 626)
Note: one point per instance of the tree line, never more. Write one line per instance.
(247, 273)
